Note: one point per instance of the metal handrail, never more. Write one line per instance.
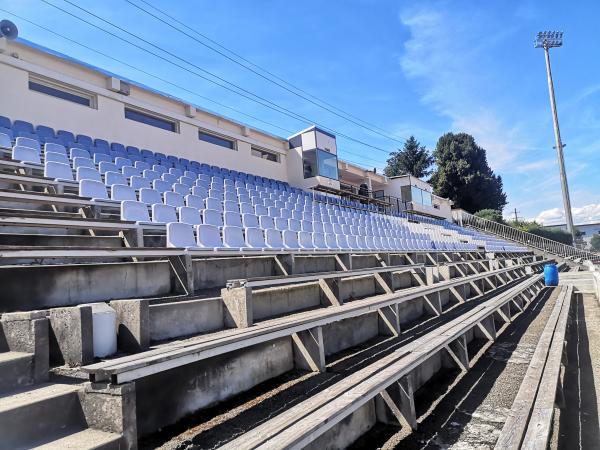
(522, 237)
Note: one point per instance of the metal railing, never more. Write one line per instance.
(463, 218)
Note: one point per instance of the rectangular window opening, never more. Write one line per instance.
(265, 154)
(216, 140)
(61, 91)
(150, 119)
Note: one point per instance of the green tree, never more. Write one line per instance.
(595, 242)
(556, 234)
(490, 214)
(414, 159)
(464, 176)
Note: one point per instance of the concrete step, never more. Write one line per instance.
(31, 415)
(15, 370)
(88, 439)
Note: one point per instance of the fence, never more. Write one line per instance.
(522, 237)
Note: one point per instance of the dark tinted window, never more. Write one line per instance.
(264, 154)
(217, 140)
(148, 119)
(54, 92)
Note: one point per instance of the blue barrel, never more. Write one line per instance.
(551, 274)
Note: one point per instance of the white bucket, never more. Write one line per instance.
(104, 320)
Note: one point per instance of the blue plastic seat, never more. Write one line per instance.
(180, 235)
(212, 217)
(173, 199)
(233, 237)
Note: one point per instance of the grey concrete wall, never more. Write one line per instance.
(184, 318)
(347, 430)
(347, 333)
(314, 263)
(277, 301)
(214, 272)
(184, 390)
(59, 240)
(411, 310)
(40, 287)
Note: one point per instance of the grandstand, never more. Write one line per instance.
(159, 260)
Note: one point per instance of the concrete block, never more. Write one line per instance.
(111, 408)
(71, 339)
(133, 324)
(309, 351)
(27, 333)
(239, 307)
(343, 334)
(185, 318)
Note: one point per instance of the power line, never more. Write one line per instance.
(261, 100)
(330, 108)
(166, 81)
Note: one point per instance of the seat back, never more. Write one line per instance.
(87, 173)
(93, 189)
(180, 235)
(189, 215)
(208, 236)
(233, 237)
(26, 154)
(273, 238)
(163, 213)
(212, 217)
(58, 170)
(255, 238)
(122, 192)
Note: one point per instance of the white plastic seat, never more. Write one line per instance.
(319, 241)
(189, 215)
(26, 154)
(255, 238)
(233, 237)
(352, 242)
(317, 227)
(111, 178)
(212, 217)
(266, 222)
(106, 166)
(294, 225)
(163, 213)
(281, 224)
(130, 171)
(134, 211)
(331, 241)
(246, 208)
(150, 175)
(56, 157)
(150, 196)
(342, 242)
(305, 240)
(138, 182)
(209, 237)
(27, 142)
(181, 189)
(122, 192)
(87, 173)
(161, 186)
(361, 243)
(250, 221)
(58, 171)
(55, 148)
(194, 201)
(78, 153)
(273, 239)
(213, 203)
(231, 206)
(173, 199)
(290, 240)
(93, 189)
(180, 235)
(232, 219)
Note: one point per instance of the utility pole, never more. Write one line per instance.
(547, 40)
(516, 216)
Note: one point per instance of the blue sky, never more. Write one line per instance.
(409, 67)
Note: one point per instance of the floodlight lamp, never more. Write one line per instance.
(548, 39)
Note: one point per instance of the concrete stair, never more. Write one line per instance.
(87, 439)
(49, 416)
(15, 370)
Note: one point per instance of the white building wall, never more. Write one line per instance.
(107, 121)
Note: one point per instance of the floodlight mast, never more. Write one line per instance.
(547, 40)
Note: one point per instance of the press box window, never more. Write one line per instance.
(318, 162)
(265, 154)
(61, 91)
(150, 119)
(216, 140)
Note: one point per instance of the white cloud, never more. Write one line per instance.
(585, 214)
(443, 54)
